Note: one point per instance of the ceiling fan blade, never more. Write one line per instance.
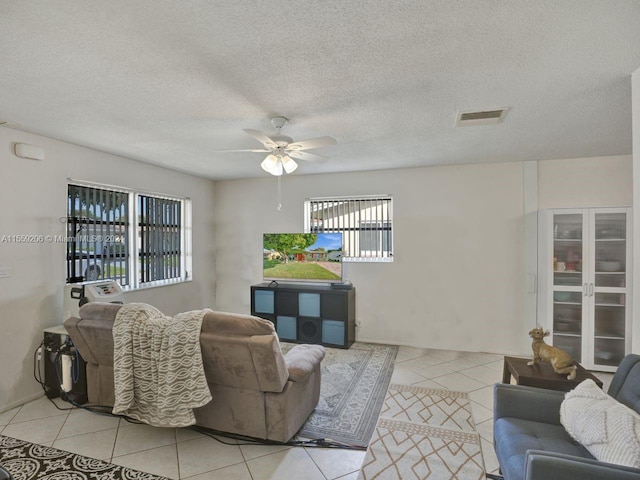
(261, 137)
(309, 157)
(255, 150)
(312, 143)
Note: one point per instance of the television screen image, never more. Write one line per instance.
(304, 257)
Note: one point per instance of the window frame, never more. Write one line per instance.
(349, 222)
(133, 236)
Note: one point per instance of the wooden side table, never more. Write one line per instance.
(542, 375)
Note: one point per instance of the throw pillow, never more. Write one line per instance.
(604, 426)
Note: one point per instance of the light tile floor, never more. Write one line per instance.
(185, 454)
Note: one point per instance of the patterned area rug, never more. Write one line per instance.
(424, 433)
(354, 384)
(27, 461)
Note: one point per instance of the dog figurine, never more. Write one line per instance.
(559, 359)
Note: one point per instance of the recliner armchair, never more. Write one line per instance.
(257, 391)
(531, 443)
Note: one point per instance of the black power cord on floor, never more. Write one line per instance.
(106, 410)
(317, 442)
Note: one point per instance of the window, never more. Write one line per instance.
(103, 241)
(97, 234)
(366, 224)
(160, 226)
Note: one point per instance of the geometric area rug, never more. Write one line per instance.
(27, 461)
(424, 433)
(352, 391)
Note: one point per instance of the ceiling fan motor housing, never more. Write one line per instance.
(281, 140)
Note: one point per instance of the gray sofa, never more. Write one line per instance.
(531, 443)
(257, 391)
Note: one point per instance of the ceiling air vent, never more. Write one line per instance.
(486, 117)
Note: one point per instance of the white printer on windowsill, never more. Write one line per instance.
(77, 294)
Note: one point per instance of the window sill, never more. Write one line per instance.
(367, 259)
(160, 283)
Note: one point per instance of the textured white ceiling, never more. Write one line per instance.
(170, 82)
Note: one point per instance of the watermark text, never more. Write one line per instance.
(36, 238)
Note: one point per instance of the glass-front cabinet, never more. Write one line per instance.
(585, 274)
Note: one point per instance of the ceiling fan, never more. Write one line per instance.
(282, 148)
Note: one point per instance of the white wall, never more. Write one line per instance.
(585, 182)
(33, 198)
(458, 245)
(458, 275)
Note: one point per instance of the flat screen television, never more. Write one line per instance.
(302, 257)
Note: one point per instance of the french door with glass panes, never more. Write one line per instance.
(588, 284)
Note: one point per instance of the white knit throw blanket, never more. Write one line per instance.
(157, 365)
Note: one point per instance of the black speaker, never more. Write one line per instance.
(309, 330)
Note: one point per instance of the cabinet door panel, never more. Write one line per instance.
(334, 306)
(567, 249)
(572, 344)
(608, 351)
(609, 321)
(287, 303)
(610, 249)
(567, 312)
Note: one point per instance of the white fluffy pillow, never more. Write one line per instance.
(604, 426)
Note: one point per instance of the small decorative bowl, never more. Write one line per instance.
(561, 296)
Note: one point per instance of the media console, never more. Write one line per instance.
(307, 314)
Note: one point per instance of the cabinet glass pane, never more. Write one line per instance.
(610, 250)
(572, 344)
(608, 351)
(567, 249)
(609, 315)
(567, 313)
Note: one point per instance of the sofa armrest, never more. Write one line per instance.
(540, 465)
(302, 360)
(527, 403)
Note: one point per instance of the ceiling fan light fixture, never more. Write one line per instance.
(277, 169)
(269, 163)
(289, 164)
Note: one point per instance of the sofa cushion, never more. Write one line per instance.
(236, 324)
(513, 437)
(100, 311)
(626, 387)
(606, 427)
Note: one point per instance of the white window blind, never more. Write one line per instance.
(365, 222)
(160, 227)
(97, 234)
(104, 241)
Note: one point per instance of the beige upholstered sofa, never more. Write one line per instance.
(257, 391)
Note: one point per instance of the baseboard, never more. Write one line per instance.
(19, 403)
(413, 345)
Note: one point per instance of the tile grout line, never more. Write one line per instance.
(314, 462)
(175, 439)
(115, 440)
